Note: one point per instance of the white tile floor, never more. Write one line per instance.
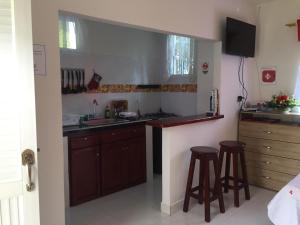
(140, 205)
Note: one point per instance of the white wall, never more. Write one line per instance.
(277, 47)
(121, 55)
(199, 18)
(205, 82)
(83, 103)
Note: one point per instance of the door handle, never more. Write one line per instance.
(28, 160)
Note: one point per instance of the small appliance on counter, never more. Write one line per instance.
(128, 115)
(71, 119)
(214, 106)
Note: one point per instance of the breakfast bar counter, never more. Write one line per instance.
(182, 120)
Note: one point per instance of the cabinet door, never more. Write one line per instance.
(84, 174)
(113, 167)
(136, 161)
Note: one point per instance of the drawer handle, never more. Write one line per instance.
(268, 147)
(268, 132)
(266, 177)
(267, 162)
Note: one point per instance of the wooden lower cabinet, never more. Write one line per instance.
(123, 164)
(84, 182)
(113, 167)
(137, 161)
(113, 161)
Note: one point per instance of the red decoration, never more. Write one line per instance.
(298, 22)
(205, 67)
(269, 76)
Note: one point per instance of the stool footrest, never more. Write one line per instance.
(232, 178)
(196, 196)
(240, 186)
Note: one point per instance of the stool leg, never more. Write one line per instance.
(218, 187)
(189, 183)
(201, 181)
(221, 158)
(236, 180)
(227, 172)
(245, 177)
(207, 192)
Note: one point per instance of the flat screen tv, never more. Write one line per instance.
(240, 38)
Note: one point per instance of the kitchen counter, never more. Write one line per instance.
(178, 121)
(69, 130)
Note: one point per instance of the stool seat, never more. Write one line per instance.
(237, 145)
(204, 150)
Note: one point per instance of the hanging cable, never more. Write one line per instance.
(245, 92)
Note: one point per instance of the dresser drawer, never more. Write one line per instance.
(84, 141)
(267, 179)
(270, 147)
(273, 163)
(270, 131)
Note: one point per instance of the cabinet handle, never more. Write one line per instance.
(268, 132)
(267, 162)
(98, 155)
(266, 177)
(85, 139)
(268, 147)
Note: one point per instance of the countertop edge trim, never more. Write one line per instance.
(182, 122)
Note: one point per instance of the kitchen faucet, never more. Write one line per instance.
(95, 104)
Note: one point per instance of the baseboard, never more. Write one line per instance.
(169, 210)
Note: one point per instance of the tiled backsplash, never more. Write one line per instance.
(127, 88)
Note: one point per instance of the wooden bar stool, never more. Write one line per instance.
(235, 149)
(205, 155)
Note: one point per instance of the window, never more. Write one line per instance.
(180, 55)
(67, 33)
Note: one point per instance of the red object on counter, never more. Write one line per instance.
(298, 23)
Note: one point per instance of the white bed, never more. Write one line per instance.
(284, 209)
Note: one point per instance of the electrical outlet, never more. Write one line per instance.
(240, 98)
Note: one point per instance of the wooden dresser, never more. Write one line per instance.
(272, 153)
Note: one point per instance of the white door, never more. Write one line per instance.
(18, 206)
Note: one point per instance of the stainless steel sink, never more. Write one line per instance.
(102, 121)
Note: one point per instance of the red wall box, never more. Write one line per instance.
(269, 75)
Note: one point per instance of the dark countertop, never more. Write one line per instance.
(183, 120)
(70, 130)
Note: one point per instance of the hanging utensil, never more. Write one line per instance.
(68, 89)
(79, 90)
(72, 82)
(62, 80)
(83, 81)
